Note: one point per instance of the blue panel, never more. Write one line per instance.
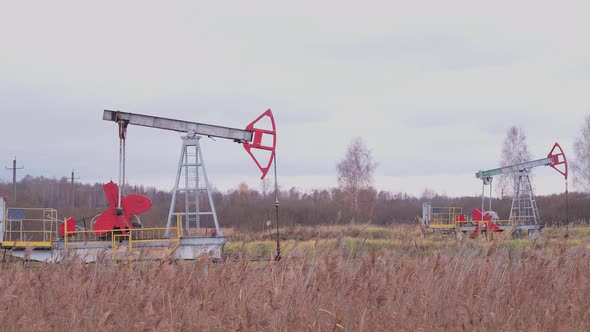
(436, 210)
(16, 214)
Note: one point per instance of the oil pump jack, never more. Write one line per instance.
(118, 231)
(524, 213)
(191, 165)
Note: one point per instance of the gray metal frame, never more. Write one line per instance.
(524, 209)
(523, 167)
(191, 162)
(426, 209)
(150, 121)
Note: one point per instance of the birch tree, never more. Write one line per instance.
(355, 171)
(514, 151)
(581, 162)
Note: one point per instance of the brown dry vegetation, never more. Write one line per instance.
(392, 232)
(467, 288)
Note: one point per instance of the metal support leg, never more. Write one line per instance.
(188, 165)
(175, 190)
(209, 196)
(186, 191)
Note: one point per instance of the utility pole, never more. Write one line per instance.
(13, 169)
(72, 188)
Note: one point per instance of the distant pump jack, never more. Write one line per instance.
(524, 213)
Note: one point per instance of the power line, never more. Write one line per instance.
(14, 169)
(72, 178)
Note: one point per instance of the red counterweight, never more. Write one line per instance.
(130, 204)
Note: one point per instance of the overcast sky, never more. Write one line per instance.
(432, 86)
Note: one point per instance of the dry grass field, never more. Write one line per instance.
(342, 280)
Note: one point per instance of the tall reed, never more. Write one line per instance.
(486, 289)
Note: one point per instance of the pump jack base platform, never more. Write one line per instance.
(125, 250)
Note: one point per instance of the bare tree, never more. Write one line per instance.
(265, 186)
(514, 151)
(244, 193)
(581, 162)
(355, 171)
(428, 194)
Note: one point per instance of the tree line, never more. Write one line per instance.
(251, 209)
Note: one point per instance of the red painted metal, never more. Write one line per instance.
(130, 204)
(476, 215)
(71, 227)
(558, 159)
(257, 141)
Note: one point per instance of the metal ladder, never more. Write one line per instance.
(524, 209)
(192, 192)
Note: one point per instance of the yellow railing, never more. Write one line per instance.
(28, 227)
(116, 239)
(444, 216)
(450, 216)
